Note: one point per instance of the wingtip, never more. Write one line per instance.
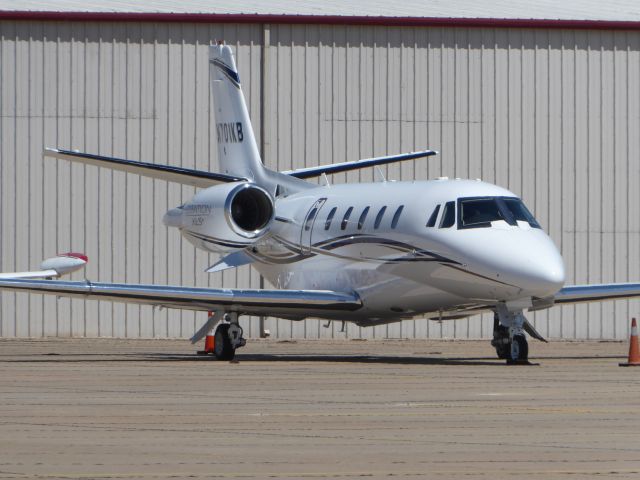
(79, 256)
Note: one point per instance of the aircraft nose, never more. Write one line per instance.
(544, 274)
(526, 260)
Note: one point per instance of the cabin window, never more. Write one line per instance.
(433, 217)
(396, 216)
(345, 219)
(332, 213)
(362, 218)
(379, 217)
(449, 215)
(310, 218)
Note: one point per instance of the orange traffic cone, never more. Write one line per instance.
(209, 342)
(634, 349)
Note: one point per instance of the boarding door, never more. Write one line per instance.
(307, 226)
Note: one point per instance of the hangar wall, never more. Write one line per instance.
(554, 115)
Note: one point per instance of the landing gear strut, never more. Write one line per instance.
(509, 337)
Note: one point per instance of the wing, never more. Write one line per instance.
(286, 303)
(596, 293)
(346, 166)
(185, 176)
(54, 267)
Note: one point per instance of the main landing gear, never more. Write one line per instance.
(226, 339)
(509, 338)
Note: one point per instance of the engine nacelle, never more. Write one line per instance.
(225, 217)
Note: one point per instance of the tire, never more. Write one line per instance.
(222, 348)
(519, 352)
(500, 334)
(504, 351)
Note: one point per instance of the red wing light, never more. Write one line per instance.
(81, 256)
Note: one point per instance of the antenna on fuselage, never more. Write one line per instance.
(378, 173)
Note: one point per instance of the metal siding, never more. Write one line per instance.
(553, 115)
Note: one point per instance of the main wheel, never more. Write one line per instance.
(519, 350)
(222, 348)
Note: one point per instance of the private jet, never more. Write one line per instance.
(368, 253)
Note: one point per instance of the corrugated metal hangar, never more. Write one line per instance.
(541, 98)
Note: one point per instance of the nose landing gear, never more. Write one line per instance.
(509, 338)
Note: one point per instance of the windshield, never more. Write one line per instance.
(520, 212)
(479, 212)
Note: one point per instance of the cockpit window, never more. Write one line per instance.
(449, 215)
(520, 212)
(479, 212)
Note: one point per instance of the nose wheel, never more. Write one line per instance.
(509, 338)
(501, 341)
(519, 352)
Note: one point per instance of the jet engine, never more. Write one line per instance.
(224, 218)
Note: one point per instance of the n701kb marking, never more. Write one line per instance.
(230, 132)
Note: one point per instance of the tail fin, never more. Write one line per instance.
(237, 149)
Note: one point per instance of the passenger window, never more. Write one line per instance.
(396, 216)
(433, 217)
(345, 219)
(379, 217)
(362, 218)
(449, 215)
(310, 217)
(332, 213)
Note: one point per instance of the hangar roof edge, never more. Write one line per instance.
(321, 20)
(494, 13)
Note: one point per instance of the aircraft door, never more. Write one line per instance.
(307, 225)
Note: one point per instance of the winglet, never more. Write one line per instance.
(65, 263)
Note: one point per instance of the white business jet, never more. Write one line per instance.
(370, 254)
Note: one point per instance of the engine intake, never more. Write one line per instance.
(250, 209)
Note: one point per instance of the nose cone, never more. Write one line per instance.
(521, 262)
(541, 272)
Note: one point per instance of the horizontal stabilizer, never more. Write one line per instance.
(233, 260)
(367, 162)
(249, 302)
(185, 176)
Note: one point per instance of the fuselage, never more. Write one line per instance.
(406, 248)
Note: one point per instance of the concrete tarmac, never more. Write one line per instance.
(123, 409)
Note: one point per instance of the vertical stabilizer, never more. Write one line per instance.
(237, 149)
